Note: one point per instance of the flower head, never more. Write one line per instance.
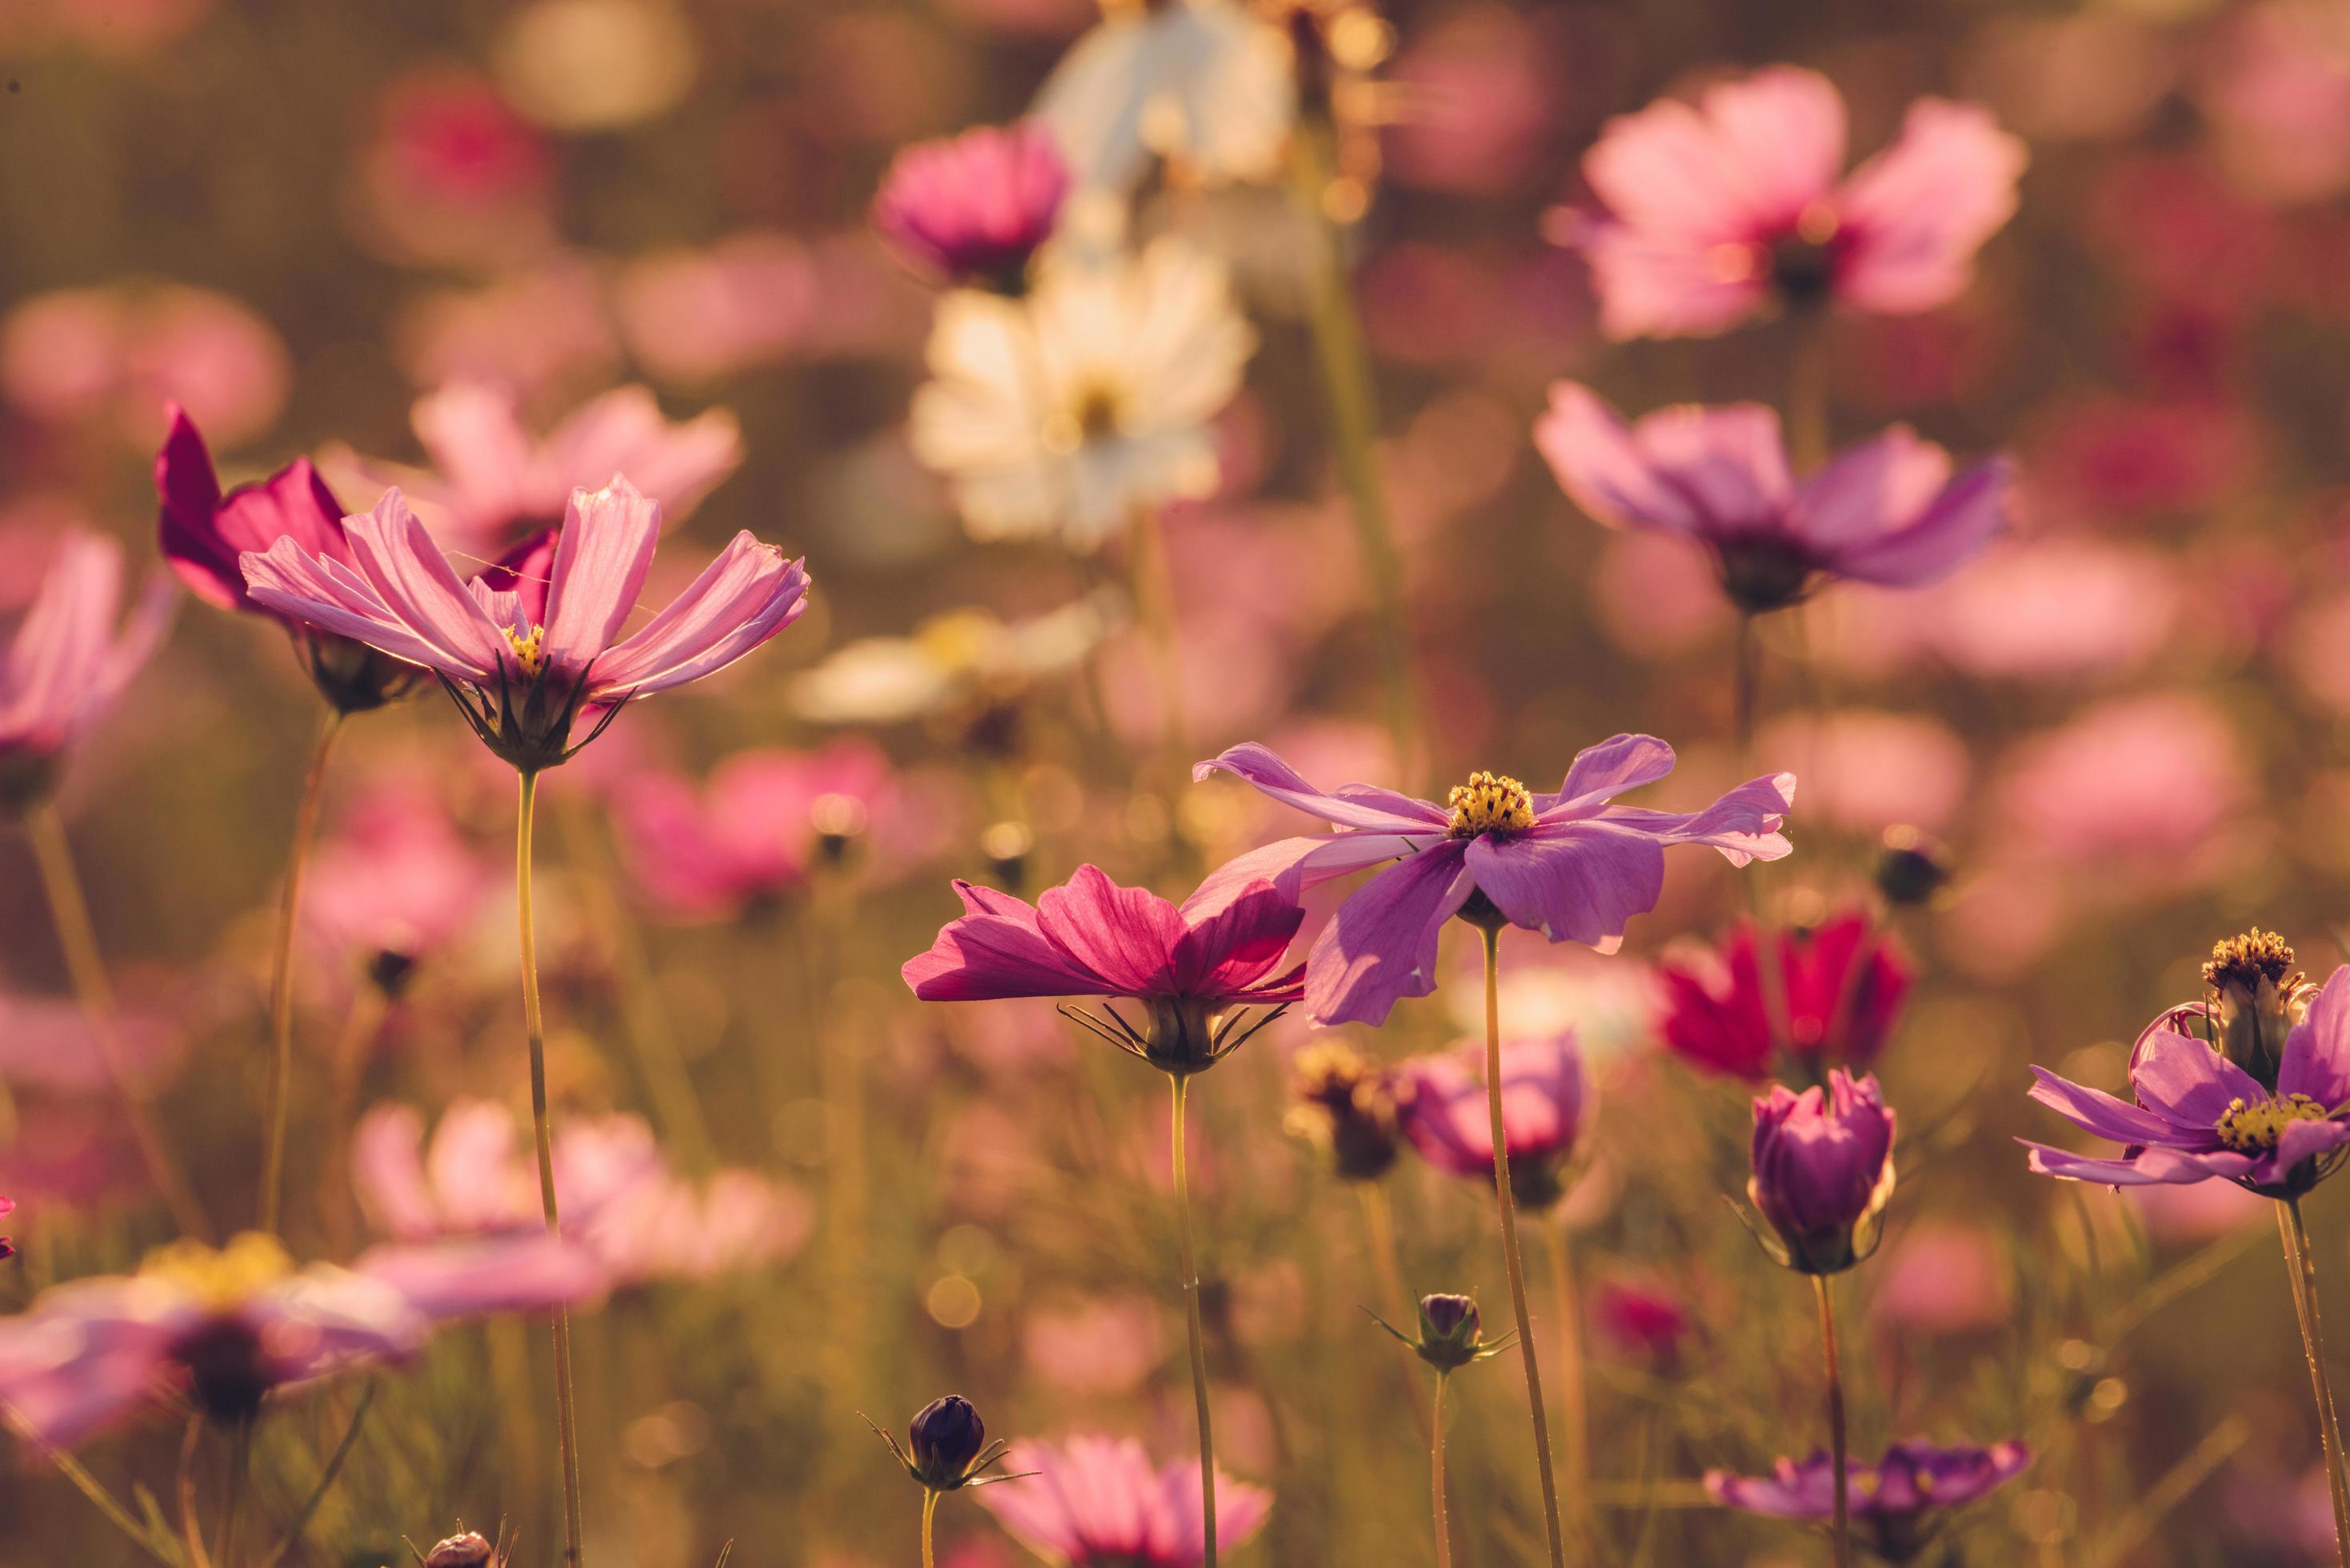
(946, 1447)
(1823, 1171)
(395, 885)
(523, 662)
(1572, 866)
(973, 208)
(2200, 1116)
(225, 1328)
(1888, 510)
(470, 1550)
(2256, 996)
(1898, 1505)
(1193, 968)
(966, 665)
(1714, 213)
(1452, 1333)
(1205, 84)
(1097, 1502)
(1062, 411)
(1839, 989)
(1449, 1118)
(68, 663)
(1344, 1104)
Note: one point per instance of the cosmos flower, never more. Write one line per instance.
(492, 479)
(1823, 1163)
(1202, 84)
(972, 209)
(1642, 1316)
(1448, 1118)
(1061, 412)
(7, 1247)
(1572, 866)
(2275, 1121)
(395, 885)
(205, 532)
(1195, 968)
(69, 661)
(1900, 1504)
(225, 1328)
(966, 662)
(1713, 212)
(1097, 1502)
(522, 664)
(1887, 509)
(1346, 1106)
(1839, 989)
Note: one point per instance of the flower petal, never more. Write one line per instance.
(1349, 805)
(1744, 825)
(2154, 1168)
(2096, 1111)
(1916, 212)
(2316, 1060)
(1126, 935)
(996, 950)
(1606, 770)
(750, 593)
(601, 556)
(1953, 529)
(1381, 945)
(396, 554)
(2186, 1082)
(1574, 881)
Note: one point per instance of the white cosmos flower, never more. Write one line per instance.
(1064, 411)
(951, 662)
(1201, 83)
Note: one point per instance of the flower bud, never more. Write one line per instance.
(1346, 1105)
(1450, 1331)
(465, 1551)
(1823, 1172)
(1911, 868)
(944, 1438)
(2257, 997)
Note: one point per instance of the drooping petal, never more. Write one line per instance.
(1349, 805)
(601, 556)
(2187, 1083)
(1574, 881)
(1600, 773)
(396, 556)
(1126, 935)
(750, 593)
(1381, 945)
(1744, 825)
(1294, 865)
(1238, 945)
(2156, 1167)
(2096, 1111)
(996, 950)
(1953, 529)
(1915, 215)
(1700, 471)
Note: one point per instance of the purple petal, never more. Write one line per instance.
(2155, 1168)
(745, 597)
(1294, 865)
(2096, 1111)
(1917, 211)
(2300, 1141)
(1574, 881)
(1602, 771)
(995, 950)
(413, 581)
(601, 556)
(1953, 529)
(1238, 945)
(1744, 825)
(327, 595)
(1126, 935)
(1700, 471)
(2317, 1053)
(1350, 806)
(1381, 945)
(2186, 1082)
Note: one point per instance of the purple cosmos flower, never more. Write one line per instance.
(1887, 509)
(523, 669)
(68, 663)
(1449, 1120)
(1839, 990)
(1711, 212)
(973, 208)
(225, 1328)
(395, 885)
(1195, 968)
(1571, 865)
(204, 533)
(2200, 1116)
(1097, 1502)
(1902, 1501)
(1823, 1171)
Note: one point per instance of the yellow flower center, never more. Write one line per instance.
(1490, 802)
(1096, 412)
(2244, 962)
(1923, 1483)
(222, 1277)
(2255, 1128)
(528, 650)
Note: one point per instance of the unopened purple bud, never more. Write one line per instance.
(1824, 1170)
(1450, 1331)
(466, 1551)
(945, 1437)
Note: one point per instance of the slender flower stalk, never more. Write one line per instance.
(281, 983)
(1842, 1523)
(1191, 1321)
(70, 912)
(929, 1511)
(1510, 1257)
(1745, 685)
(1451, 1337)
(2301, 1268)
(1154, 593)
(1436, 1476)
(1575, 1434)
(565, 1414)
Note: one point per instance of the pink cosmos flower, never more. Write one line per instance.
(224, 1329)
(493, 479)
(1097, 1502)
(1888, 510)
(1572, 866)
(973, 208)
(1712, 212)
(395, 884)
(1195, 967)
(1447, 1116)
(1645, 1317)
(68, 661)
(523, 662)
(1840, 988)
(7, 1248)
(204, 533)
(1898, 1504)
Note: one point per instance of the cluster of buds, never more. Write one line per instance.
(1451, 1334)
(1347, 1108)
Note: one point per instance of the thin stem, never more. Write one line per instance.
(1836, 1445)
(2304, 1269)
(240, 1465)
(334, 1467)
(1745, 686)
(85, 1483)
(1191, 1318)
(192, 1535)
(1807, 396)
(281, 978)
(930, 1510)
(1154, 595)
(1575, 1435)
(1436, 1477)
(1510, 1254)
(362, 1024)
(1380, 1223)
(70, 911)
(566, 1416)
(1349, 385)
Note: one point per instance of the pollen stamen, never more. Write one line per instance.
(2244, 962)
(529, 650)
(2249, 1128)
(1490, 802)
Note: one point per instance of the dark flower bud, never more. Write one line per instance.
(943, 1440)
(1911, 868)
(1346, 1105)
(1450, 1331)
(389, 969)
(466, 1551)
(1824, 1169)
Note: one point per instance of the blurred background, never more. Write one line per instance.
(2124, 723)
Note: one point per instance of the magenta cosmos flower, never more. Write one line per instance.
(1823, 1163)
(1097, 1502)
(2275, 1123)
(68, 663)
(397, 885)
(1194, 967)
(1839, 989)
(1886, 511)
(523, 662)
(1448, 1119)
(972, 209)
(205, 534)
(1713, 212)
(1900, 1504)
(1572, 866)
(226, 1329)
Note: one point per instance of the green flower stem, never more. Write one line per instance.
(2303, 1268)
(1837, 1448)
(1436, 1476)
(1191, 1320)
(929, 1510)
(281, 979)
